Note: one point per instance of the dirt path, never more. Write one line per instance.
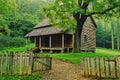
(62, 70)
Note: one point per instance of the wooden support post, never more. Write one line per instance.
(73, 41)
(62, 42)
(26, 44)
(40, 42)
(35, 41)
(50, 44)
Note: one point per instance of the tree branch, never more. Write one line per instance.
(76, 16)
(103, 12)
(79, 3)
(85, 5)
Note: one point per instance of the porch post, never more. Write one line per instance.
(50, 44)
(40, 42)
(73, 40)
(35, 41)
(62, 42)
(26, 44)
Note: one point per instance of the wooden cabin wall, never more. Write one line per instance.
(68, 40)
(88, 37)
(56, 41)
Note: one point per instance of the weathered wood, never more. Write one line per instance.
(73, 38)
(50, 44)
(2, 64)
(95, 67)
(35, 41)
(105, 74)
(90, 64)
(62, 42)
(40, 42)
(100, 67)
(23, 63)
(87, 66)
(7, 63)
(30, 64)
(11, 62)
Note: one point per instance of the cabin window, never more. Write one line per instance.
(85, 38)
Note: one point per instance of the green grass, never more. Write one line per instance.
(21, 77)
(17, 49)
(75, 57)
(72, 57)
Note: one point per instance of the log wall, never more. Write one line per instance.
(88, 39)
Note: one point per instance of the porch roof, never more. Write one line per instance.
(45, 31)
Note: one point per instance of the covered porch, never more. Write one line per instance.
(55, 43)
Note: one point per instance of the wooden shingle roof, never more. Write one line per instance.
(45, 28)
(44, 23)
(45, 31)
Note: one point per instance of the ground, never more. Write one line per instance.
(63, 70)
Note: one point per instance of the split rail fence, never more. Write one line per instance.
(23, 63)
(101, 67)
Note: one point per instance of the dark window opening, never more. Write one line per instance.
(85, 38)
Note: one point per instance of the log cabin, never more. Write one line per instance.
(49, 38)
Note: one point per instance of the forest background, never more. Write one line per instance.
(18, 17)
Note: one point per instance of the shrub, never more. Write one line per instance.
(6, 41)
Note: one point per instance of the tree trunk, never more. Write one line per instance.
(78, 32)
(80, 19)
(112, 35)
(77, 42)
(118, 36)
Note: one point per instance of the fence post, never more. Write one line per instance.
(21, 63)
(31, 62)
(90, 66)
(11, 62)
(50, 63)
(116, 68)
(99, 67)
(6, 63)
(95, 66)
(2, 64)
(105, 71)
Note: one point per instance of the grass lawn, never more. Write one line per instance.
(75, 57)
(21, 77)
(17, 49)
(72, 57)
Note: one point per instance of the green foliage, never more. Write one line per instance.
(103, 36)
(62, 10)
(6, 41)
(21, 77)
(19, 17)
(17, 49)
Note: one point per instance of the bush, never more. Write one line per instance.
(6, 41)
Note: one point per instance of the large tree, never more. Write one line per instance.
(70, 11)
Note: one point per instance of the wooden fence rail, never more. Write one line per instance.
(23, 63)
(101, 67)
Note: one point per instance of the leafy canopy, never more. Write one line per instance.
(63, 10)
